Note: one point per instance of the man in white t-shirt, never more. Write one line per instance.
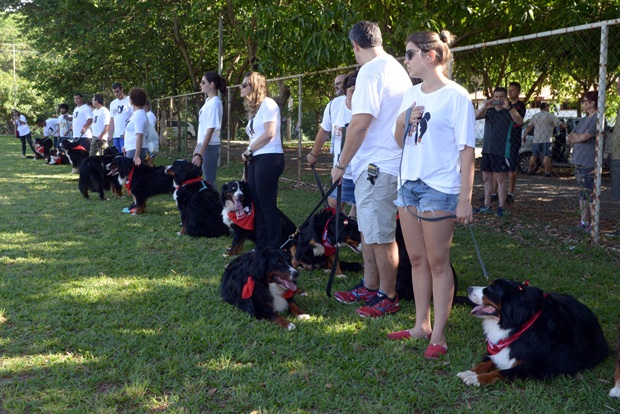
(336, 117)
(101, 121)
(120, 111)
(543, 123)
(374, 156)
(64, 124)
(82, 118)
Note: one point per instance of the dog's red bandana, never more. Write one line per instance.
(79, 148)
(57, 160)
(188, 182)
(248, 288)
(328, 247)
(243, 218)
(39, 149)
(128, 180)
(493, 349)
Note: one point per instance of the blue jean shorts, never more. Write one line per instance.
(424, 198)
(585, 182)
(542, 148)
(347, 194)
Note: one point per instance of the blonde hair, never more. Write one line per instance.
(253, 99)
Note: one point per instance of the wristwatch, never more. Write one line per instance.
(339, 167)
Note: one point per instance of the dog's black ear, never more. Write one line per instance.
(258, 269)
(519, 304)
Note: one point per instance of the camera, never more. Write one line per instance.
(497, 102)
(373, 172)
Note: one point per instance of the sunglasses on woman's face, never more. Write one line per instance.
(409, 54)
(244, 85)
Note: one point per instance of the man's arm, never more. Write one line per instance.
(319, 141)
(111, 129)
(356, 134)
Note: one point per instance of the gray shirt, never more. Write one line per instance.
(584, 153)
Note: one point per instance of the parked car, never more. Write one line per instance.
(187, 128)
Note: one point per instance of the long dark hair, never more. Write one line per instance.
(220, 83)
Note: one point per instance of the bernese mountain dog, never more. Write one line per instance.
(534, 334)
(76, 154)
(141, 181)
(197, 201)
(42, 147)
(262, 283)
(238, 215)
(314, 246)
(57, 157)
(94, 177)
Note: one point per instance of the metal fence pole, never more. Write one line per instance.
(228, 129)
(600, 131)
(301, 129)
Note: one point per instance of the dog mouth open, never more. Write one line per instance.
(286, 284)
(484, 311)
(113, 169)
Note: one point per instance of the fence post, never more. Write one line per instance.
(600, 130)
(301, 129)
(228, 129)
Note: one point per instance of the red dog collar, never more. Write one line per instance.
(188, 182)
(128, 180)
(248, 290)
(493, 349)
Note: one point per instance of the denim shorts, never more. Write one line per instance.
(543, 148)
(424, 198)
(585, 182)
(347, 194)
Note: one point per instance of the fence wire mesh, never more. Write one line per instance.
(556, 68)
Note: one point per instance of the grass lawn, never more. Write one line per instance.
(104, 312)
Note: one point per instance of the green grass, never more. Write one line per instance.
(102, 312)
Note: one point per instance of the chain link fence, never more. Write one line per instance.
(556, 67)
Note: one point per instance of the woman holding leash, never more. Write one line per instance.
(208, 144)
(436, 180)
(137, 126)
(265, 158)
(22, 130)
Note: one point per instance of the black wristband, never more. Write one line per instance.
(314, 155)
(198, 155)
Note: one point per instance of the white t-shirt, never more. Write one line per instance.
(544, 122)
(152, 118)
(81, 115)
(267, 112)
(450, 126)
(137, 125)
(335, 117)
(101, 118)
(120, 110)
(64, 126)
(210, 117)
(379, 89)
(51, 128)
(22, 127)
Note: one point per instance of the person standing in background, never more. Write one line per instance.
(82, 118)
(101, 122)
(64, 125)
(207, 152)
(120, 111)
(22, 130)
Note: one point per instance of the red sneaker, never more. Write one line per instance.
(357, 294)
(381, 305)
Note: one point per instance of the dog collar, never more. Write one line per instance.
(493, 349)
(80, 148)
(328, 246)
(128, 180)
(248, 288)
(188, 182)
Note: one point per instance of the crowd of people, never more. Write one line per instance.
(402, 151)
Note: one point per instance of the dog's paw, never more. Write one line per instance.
(469, 377)
(178, 233)
(615, 392)
(290, 326)
(303, 317)
(342, 276)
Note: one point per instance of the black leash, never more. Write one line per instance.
(330, 281)
(321, 201)
(318, 181)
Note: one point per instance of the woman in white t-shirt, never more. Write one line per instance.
(435, 180)
(137, 126)
(22, 130)
(265, 158)
(208, 142)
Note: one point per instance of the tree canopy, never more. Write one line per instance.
(166, 45)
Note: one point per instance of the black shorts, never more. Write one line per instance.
(494, 163)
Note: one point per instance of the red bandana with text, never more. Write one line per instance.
(243, 218)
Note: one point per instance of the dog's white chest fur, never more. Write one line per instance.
(279, 303)
(495, 334)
